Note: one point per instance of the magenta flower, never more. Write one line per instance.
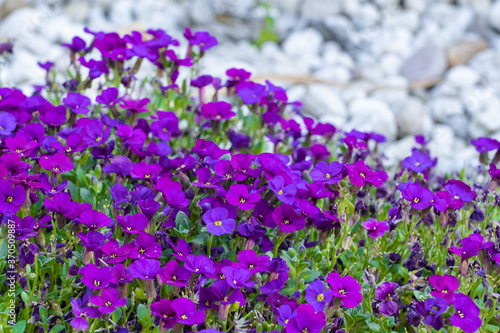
(360, 174)
(108, 301)
(144, 269)
(61, 203)
(108, 97)
(375, 228)
(445, 286)
(133, 224)
(11, 199)
(145, 247)
(239, 196)
(142, 170)
(420, 197)
(250, 260)
(306, 320)
(199, 264)
(181, 250)
(466, 315)
(81, 314)
(186, 312)
(317, 296)
(94, 219)
(238, 277)
(172, 274)
(329, 174)
(77, 103)
(385, 293)
(57, 163)
(217, 221)
(163, 309)
(94, 277)
(287, 219)
(77, 44)
(346, 288)
(285, 194)
(217, 111)
(138, 106)
(115, 252)
(460, 193)
(468, 250)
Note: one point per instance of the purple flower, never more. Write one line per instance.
(460, 193)
(163, 309)
(469, 249)
(144, 247)
(144, 269)
(287, 219)
(96, 68)
(217, 111)
(238, 277)
(77, 103)
(108, 97)
(417, 162)
(250, 260)
(77, 44)
(484, 145)
(181, 250)
(285, 313)
(94, 219)
(285, 194)
(375, 228)
(115, 252)
(360, 174)
(11, 199)
(61, 203)
(108, 301)
(420, 197)
(431, 310)
(186, 312)
(172, 274)
(329, 174)
(385, 293)
(138, 106)
(7, 123)
(57, 163)
(346, 288)
(218, 222)
(445, 286)
(81, 314)
(133, 224)
(204, 40)
(142, 170)
(317, 296)
(199, 264)
(466, 315)
(205, 178)
(121, 165)
(239, 196)
(306, 320)
(94, 277)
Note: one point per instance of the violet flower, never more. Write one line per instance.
(360, 174)
(420, 197)
(285, 194)
(445, 286)
(329, 174)
(287, 219)
(57, 163)
(145, 247)
(250, 260)
(81, 314)
(306, 320)
(238, 277)
(186, 312)
(431, 310)
(199, 264)
(116, 253)
(375, 228)
(172, 274)
(94, 277)
(317, 296)
(466, 315)
(11, 199)
(217, 111)
(108, 301)
(144, 269)
(163, 309)
(133, 224)
(385, 293)
(217, 221)
(418, 162)
(77, 103)
(239, 196)
(346, 288)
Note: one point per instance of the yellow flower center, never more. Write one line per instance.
(97, 283)
(456, 197)
(56, 169)
(10, 199)
(108, 303)
(68, 149)
(342, 291)
(417, 164)
(328, 176)
(184, 317)
(362, 174)
(242, 200)
(142, 251)
(98, 139)
(280, 192)
(286, 222)
(320, 297)
(460, 313)
(416, 200)
(147, 176)
(218, 223)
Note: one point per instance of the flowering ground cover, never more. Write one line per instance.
(213, 205)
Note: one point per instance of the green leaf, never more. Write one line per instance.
(57, 329)
(373, 326)
(19, 327)
(86, 195)
(43, 313)
(140, 293)
(143, 315)
(492, 328)
(3, 249)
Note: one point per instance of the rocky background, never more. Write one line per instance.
(397, 67)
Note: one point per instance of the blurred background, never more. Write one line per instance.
(397, 67)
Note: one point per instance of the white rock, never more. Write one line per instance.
(78, 10)
(490, 118)
(23, 69)
(24, 23)
(353, 92)
(296, 92)
(443, 108)
(397, 151)
(320, 9)
(371, 115)
(323, 101)
(122, 12)
(462, 76)
(334, 73)
(494, 15)
(366, 16)
(410, 117)
(391, 63)
(303, 43)
(443, 140)
(429, 63)
(416, 5)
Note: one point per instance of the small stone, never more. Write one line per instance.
(410, 117)
(9, 6)
(462, 76)
(371, 115)
(426, 67)
(322, 100)
(320, 9)
(303, 43)
(442, 108)
(490, 118)
(494, 15)
(461, 52)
